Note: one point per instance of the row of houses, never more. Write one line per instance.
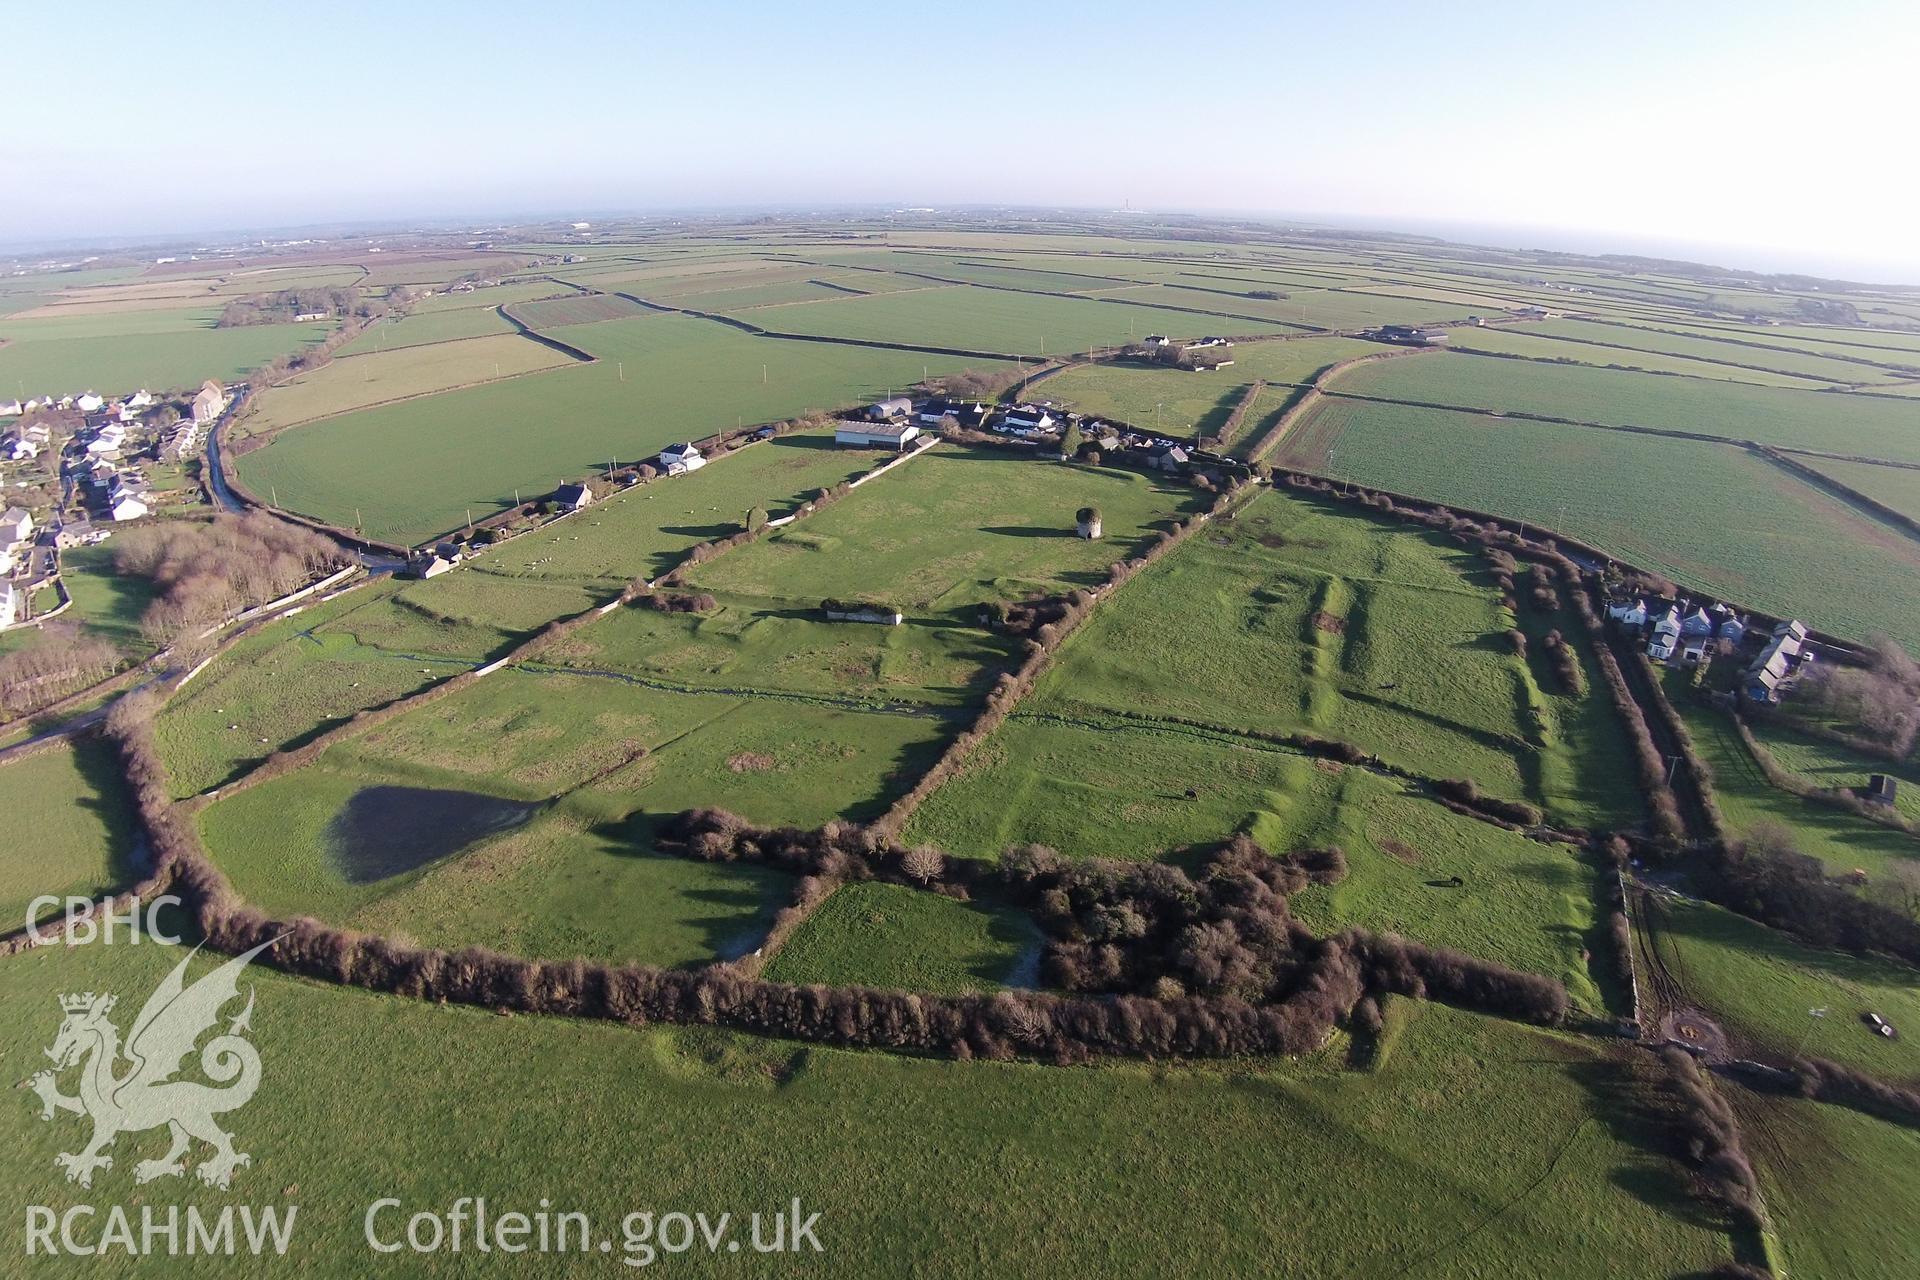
(1690, 637)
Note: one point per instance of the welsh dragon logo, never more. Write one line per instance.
(128, 1088)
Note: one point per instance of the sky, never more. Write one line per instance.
(1769, 133)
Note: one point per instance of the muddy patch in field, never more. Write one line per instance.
(387, 831)
(1400, 851)
(750, 762)
(1329, 623)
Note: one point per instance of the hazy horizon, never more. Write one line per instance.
(1750, 136)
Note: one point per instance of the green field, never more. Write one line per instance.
(341, 386)
(424, 327)
(890, 936)
(1760, 984)
(71, 829)
(1529, 342)
(1746, 530)
(1296, 618)
(996, 321)
(1840, 840)
(1828, 1174)
(1121, 791)
(122, 351)
(1896, 487)
(1863, 425)
(1828, 369)
(953, 528)
(1828, 764)
(1181, 403)
(657, 379)
(562, 772)
(1518, 1148)
(110, 605)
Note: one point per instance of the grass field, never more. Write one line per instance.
(889, 936)
(1760, 984)
(1828, 1174)
(1740, 528)
(1529, 342)
(996, 321)
(953, 528)
(1861, 425)
(119, 352)
(110, 605)
(1821, 368)
(1298, 618)
(70, 827)
(1182, 403)
(1840, 840)
(1897, 487)
(556, 779)
(1828, 764)
(1521, 1150)
(657, 379)
(424, 327)
(341, 386)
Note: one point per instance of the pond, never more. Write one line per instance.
(387, 831)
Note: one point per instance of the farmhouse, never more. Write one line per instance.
(888, 410)
(968, 413)
(678, 459)
(1171, 458)
(875, 435)
(1410, 335)
(209, 401)
(573, 497)
(1025, 420)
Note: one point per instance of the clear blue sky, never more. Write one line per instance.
(1778, 131)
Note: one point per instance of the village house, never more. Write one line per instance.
(209, 401)
(678, 459)
(11, 408)
(16, 527)
(875, 435)
(1630, 615)
(888, 410)
(77, 533)
(574, 497)
(9, 604)
(1779, 664)
(129, 506)
(19, 449)
(107, 440)
(1665, 641)
(90, 403)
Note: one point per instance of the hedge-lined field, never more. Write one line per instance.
(70, 827)
(117, 352)
(1192, 403)
(1530, 1136)
(953, 528)
(342, 386)
(656, 379)
(1296, 618)
(587, 759)
(1863, 425)
(1738, 526)
(887, 935)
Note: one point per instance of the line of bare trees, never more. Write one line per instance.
(1709, 1140)
(57, 660)
(205, 571)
